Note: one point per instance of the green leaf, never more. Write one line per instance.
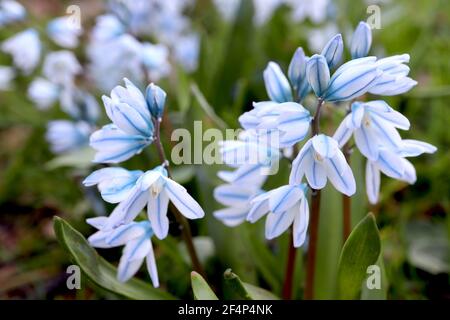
(201, 289)
(361, 250)
(375, 293)
(81, 159)
(235, 289)
(98, 270)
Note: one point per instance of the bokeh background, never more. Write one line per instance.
(413, 220)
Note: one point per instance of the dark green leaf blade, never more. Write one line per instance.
(98, 270)
(235, 289)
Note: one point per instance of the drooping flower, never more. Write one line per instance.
(154, 190)
(114, 183)
(25, 47)
(11, 11)
(64, 31)
(136, 237)
(237, 199)
(374, 125)
(132, 128)
(64, 135)
(61, 67)
(43, 93)
(321, 159)
(361, 40)
(285, 206)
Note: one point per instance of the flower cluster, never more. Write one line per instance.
(135, 124)
(374, 125)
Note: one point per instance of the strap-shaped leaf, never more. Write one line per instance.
(98, 270)
(361, 250)
(235, 289)
(201, 289)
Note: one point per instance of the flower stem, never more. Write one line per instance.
(346, 201)
(289, 277)
(184, 224)
(314, 220)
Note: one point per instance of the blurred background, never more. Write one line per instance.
(236, 39)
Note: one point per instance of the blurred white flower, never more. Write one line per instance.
(187, 51)
(64, 32)
(43, 93)
(155, 58)
(25, 47)
(61, 67)
(11, 11)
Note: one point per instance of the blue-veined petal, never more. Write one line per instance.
(127, 210)
(97, 222)
(277, 85)
(391, 164)
(132, 258)
(340, 174)
(325, 146)
(298, 165)
(283, 198)
(301, 222)
(182, 200)
(387, 134)
(130, 120)
(125, 233)
(297, 71)
(343, 132)
(234, 195)
(361, 40)
(410, 172)
(357, 114)
(277, 223)
(260, 206)
(414, 148)
(151, 266)
(315, 173)
(157, 213)
(367, 142)
(333, 50)
(372, 182)
(384, 111)
(318, 74)
(98, 240)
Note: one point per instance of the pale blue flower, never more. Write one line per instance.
(114, 183)
(107, 27)
(321, 159)
(156, 100)
(333, 51)
(64, 135)
(11, 11)
(154, 190)
(7, 74)
(61, 67)
(236, 198)
(132, 128)
(297, 74)
(186, 51)
(318, 74)
(277, 85)
(79, 104)
(136, 237)
(155, 59)
(43, 93)
(285, 206)
(393, 164)
(394, 78)
(25, 47)
(374, 125)
(289, 118)
(64, 31)
(353, 79)
(361, 40)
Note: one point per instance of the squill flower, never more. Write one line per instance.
(25, 47)
(43, 93)
(107, 27)
(136, 237)
(155, 58)
(361, 41)
(285, 206)
(64, 31)
(321, 159)
(154, 190)
(11, 11)
(132, 128)
(237, 198)
(64, 135)
(61, 67)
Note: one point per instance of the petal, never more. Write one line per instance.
(151, 267)
(315, 173)
(325, 146)
(372, 182)
(333, 50)
(298, 165)
(182, 200)
(391, 164)
(367, 142)
(340, 174)
(234, 195)
(157, 214)
(318, 74)
(277, 85)
(125, 233)
(102, 174)
(283, 198)
(232, 216)
(384, 111)
(343, 132)
(128, 209)
(410, 172)
(259, 209)
(127, 269)
(97, 222)
(361, 40)
(301, 222)
(130, 120)
(97, 240)
(276, 224)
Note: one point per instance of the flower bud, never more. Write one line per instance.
(277, 85)
(297, 73)
(361, 41)
(318, 74)
(333, 51)
(156, 99)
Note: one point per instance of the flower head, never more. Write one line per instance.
(25, 47)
